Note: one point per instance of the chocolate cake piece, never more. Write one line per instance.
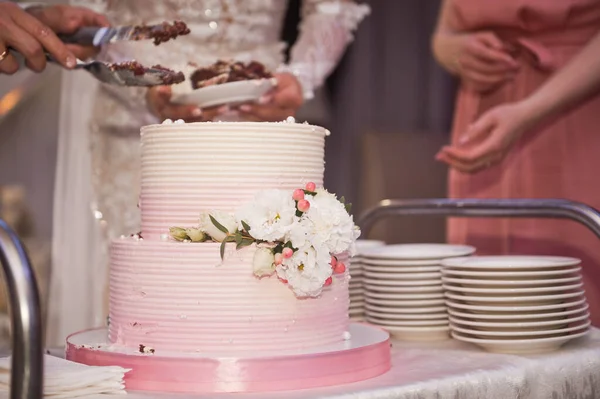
(169, 77)
(163, 34)
(225, 72)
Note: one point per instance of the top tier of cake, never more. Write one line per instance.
(198, 167)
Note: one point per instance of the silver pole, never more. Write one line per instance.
(531, 208)
(27, 351)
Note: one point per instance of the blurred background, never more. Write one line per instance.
(388, 106)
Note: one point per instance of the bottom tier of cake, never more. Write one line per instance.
(172, 296)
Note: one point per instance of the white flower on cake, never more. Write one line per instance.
(297, 235)
(307, 271)
(270, 215)
(331, 223)
(263, 263)
(225, 219)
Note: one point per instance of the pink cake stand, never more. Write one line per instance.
(365, 355)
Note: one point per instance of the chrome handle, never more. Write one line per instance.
(532, 208)
(28, 351)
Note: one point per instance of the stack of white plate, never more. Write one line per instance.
(515, 304)
(357, 298)
(403, 289)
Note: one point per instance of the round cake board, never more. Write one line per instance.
(366, 354)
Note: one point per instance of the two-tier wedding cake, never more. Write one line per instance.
(242, 253)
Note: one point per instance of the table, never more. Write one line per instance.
(455, 370)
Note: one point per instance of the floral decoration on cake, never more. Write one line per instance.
(297, 233)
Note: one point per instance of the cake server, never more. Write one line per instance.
(97, 36)
(123, 74)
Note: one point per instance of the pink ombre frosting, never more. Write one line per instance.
(180, 297)
(199, 167)
(174, 296)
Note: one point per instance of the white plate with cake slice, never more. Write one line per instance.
(230, 93)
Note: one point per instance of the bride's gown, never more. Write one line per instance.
(97, 175)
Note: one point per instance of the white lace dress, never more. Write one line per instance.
(96, 196)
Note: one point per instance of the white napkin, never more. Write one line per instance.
(66, 379)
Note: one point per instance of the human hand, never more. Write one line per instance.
(67, 20)
(487, 141)
(22, 31)
(480, 59)
(159, 103)
(281, 102)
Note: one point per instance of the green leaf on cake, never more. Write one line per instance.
(218, 225)
(246, 242)
(238, 237)
(246, 226)
(222, 249)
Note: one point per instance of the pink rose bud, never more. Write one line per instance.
(298, 194)
(339, 268)
(311, 186)
(333, 261)
(328, 281)
(278, 258)
(287, 253)
(303, 205)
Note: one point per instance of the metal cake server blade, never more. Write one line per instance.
(96, 36)
(122, 74)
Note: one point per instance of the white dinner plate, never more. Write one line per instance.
(403, 276)
(534, 309)
(514, 299)
(405, 297)
(226, 93)
(404, 304)
(422, 334)
(520, 346)
(405, 290)
(503, 325)
(514, 275)
(525, 275)
(407, 323)
(510, 290)
(402, 269)
(407, 316)
(400, 263)
(406, 310)
(418, 251)
(369, 282)
(519, 317)
(519, 334)
(491, 283)
(510, 262)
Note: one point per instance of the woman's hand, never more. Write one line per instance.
(32, 33)
(489, 139)
(159, 103)
(480, 59)
(66, 20)
(281, 102)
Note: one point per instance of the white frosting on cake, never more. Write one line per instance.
(196, 167)
(176, 296)
(180, 297)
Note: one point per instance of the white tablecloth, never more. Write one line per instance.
(453, 370)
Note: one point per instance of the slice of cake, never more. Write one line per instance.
(228, 71)
(235, 252)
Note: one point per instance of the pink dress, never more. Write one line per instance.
(560, 160)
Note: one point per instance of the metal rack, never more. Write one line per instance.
(27, 360)
(516, 208)
(26, 380)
